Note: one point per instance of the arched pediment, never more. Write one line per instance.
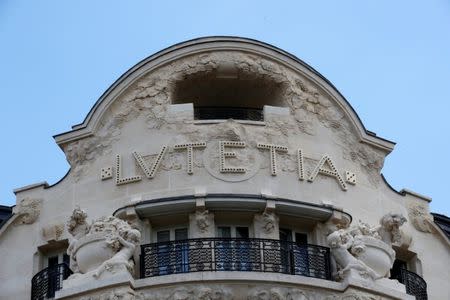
(210, 45)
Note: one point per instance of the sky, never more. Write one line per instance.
(390, 59)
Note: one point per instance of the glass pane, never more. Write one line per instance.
(224, 231)
(181, 234)
(285, 235)
(163, 236)
(242, 232)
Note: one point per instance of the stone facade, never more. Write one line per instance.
(147, 168)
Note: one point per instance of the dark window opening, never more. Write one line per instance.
(228, 97)
(396, 268)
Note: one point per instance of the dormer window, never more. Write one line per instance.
(228, 94)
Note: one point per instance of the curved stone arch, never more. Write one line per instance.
(209, 44)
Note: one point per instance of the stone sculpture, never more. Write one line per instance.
(101, 249)
(28, 210)
(389, 228)
(366, 252)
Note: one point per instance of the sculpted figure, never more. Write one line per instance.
(340, 243)
(389, 229)
(124, 255)
(106, 246)
(77, 227)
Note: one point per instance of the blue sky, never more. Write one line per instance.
(390, 59)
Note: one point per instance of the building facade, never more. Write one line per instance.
(222, 168)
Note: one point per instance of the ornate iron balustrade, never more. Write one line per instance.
(415, 285)
(219, 113)
(45, 283)
(228, 254)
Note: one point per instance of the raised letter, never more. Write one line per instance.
(190, 156)
(119, 179)
(273, 154)
(150, 172)
(332, 172)
(301, 169)
(223, 155)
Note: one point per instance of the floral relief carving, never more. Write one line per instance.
(28, 210)
(114, 295)
(420, 218)
(199, 292)
(149, 97)
(278, 293)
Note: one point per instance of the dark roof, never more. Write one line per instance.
(5, 214)
(443, 222)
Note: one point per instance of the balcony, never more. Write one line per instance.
(234, 254)
(45, 283)
(220, 113)
(415, 285)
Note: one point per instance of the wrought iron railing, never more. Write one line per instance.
(45, 283)
(229, 254)
(415, 285)
(219, 113)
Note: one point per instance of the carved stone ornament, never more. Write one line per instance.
(114, 295)
(364, 252)
(198, 292)
(28, 210)
(101, 249)
(420, 218)
(277, 293)
(53, 232)
(269, 221)
(311, 110)
(202, 220)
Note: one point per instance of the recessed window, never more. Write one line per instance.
(227, 96)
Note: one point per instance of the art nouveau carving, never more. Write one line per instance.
(365, 252)
(114, 295)
(28, 210)
(277, 293)
(149, 97)
(103, 248)
(420, 218)
(266, 225)
(53, 232)
(198, 292)
(389, 228)
(344, 250)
